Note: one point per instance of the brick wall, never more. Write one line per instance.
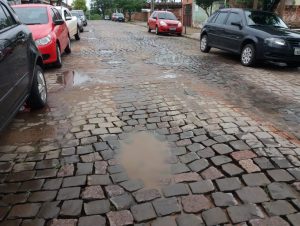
(143, 16)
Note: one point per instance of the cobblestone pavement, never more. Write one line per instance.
(230, 137)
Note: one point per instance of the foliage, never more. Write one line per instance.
(95, 17)
(129, 6)
(205, 5)
(79, 4)
(102, 6)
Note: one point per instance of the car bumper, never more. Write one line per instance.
(167, 29)
(48, 53)
(284, 54)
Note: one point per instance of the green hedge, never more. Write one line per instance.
(95, 17)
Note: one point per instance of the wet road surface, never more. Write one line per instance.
(146, 129)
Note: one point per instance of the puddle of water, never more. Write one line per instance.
(144, 157)
(169, 76)
(72, 78)
(114, 62)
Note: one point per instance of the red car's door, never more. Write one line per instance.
(152, 20)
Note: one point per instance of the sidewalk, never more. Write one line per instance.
(193, 33)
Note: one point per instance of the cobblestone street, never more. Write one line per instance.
(146, 130)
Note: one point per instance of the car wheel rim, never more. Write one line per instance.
(41, 86)
(203, 43)
(58, 55)
(69, 44)
(247, 55)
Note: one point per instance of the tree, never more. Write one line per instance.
(205, 5)
(104, 6)
(130, 6)
(79, 4)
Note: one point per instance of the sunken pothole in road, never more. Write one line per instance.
(145, 159)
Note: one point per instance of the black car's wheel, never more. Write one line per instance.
(38, 93)
(204, 44)
(58, 62)
(77, 35)
(248, 55)
(68, 48)
(156, 31)
(293, 64)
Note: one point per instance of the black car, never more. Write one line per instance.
(21, 74)
(255, 35)
(120, 17)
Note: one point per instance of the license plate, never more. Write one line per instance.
(297, 51)
(172, 28)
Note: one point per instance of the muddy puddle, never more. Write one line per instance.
(72, 78)
(144, 157)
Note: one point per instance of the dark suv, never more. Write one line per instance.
(21, 74)
(255, 35)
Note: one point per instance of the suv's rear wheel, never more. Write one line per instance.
(38, 94)
(248, 55)
(204, 44)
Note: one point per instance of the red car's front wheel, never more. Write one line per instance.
(156, 30)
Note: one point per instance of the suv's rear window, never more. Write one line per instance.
(32, 15)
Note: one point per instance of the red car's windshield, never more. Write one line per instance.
(167, 16)
(32, 15)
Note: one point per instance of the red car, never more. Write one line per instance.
(164, 22)
(49, 30)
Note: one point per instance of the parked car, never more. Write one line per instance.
(79, 21)
(49, 30)
(71, 22)
(118, 17)
(164, 22)
(255, 35)
(106, 17)
(21, 74)
(81, 14)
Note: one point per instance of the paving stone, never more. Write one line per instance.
(189, 219)
(97, 207)
(179, 168)
(90, 158)
(119, 177)
(281, 191)
(175, 190)
(99, 180)
(132, 185)
(114, 190)
(187, 158)
(242, 155)
(295, 172)
(178, 151)
(263, 163)
(107, 154)
(224, 199)
(164, 221)
(281, 162)
(206, 153)
(229, 184)
(68, 193)
(68, 151)
(46, 164)
(166, 206)
(222, 149)
(202, 187)
(279, 207)
(187, 177)
(195, 203)
(143, 212)
(24, 210)
(252, 195)
(11, 222)
(33, 222)
(294, 219)
(49, 210)
(214, 216)
(93, 192)
(47, 173)
(220, 160)
(280, 175)
(115, 169)
(208, 142)
(42, 196)
(249, 166)
(3, 212)
(120, 218)
(243, 213)
(21, 176)
(198, 165)
(84, 168)
(256, 179)
(92, 221)
(272, 221)
(121, 202)
(212, 173)
(231, 169)
(239, 145)
(5, 167)
(71, 208)
(144, 195)
(100, 167)
(195, 147)
(32, 185)
(21, 166)
(15, 198)
(71, 159)
(66, 170)
(63, 222)
(74, 181)
(52, 184)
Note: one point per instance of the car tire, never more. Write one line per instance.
(58, 62)
(293, 65)
(149, 29)
(68, 48)
(248, 55)
(156, 31)
(77, 35)
(38, 93)
(81, 29)
(204, 47)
